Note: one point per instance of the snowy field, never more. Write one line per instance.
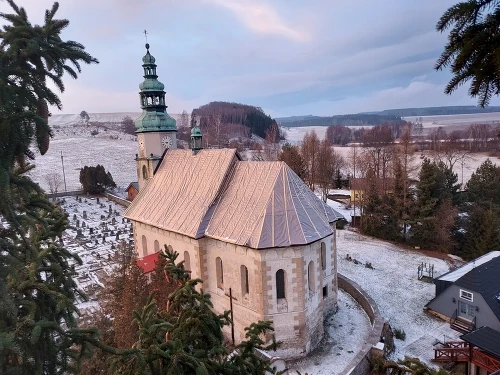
(112, 149)
(345, 335)
(97, 228)
(492, 118)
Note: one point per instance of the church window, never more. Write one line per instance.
(280, 284)
(157, 246)
(144, 246)
(187, 261)
(144, 172)
(323, 256)
(219, 272)
(244, 281)
(310, 276)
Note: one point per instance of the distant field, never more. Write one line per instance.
(449, 120)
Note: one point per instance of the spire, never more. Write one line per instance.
(196, 138)
(154, 116)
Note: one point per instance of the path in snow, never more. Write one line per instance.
(394, 286)
(345, 335)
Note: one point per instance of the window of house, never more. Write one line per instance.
(157, 246)
(356, 195)
(144, 246)
(245, 289)
(466, 295)
(325, 291)
(220, 273)
(323, 256)
(144, 172)
(280, 284)
(310, 276)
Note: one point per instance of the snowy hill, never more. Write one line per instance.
(103, 118)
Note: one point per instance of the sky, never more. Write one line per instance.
(289, 57)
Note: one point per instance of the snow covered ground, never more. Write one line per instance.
(345, 335)
(103, 218)
(394, 286)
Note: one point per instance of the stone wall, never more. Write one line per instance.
(118, 200)
(360, 364)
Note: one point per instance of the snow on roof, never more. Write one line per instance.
(214, 194)
(461, 271)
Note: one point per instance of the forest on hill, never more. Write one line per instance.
(226, 114)
(360, 119)
(439, 111)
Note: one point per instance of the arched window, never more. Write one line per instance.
(144, 172)
(310, 276)
(323, 256)
(144, 246)
(220, 273)
(244, 281)
(157, 246)
(187, 261)
(280, 284)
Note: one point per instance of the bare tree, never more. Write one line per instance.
(54, 180)
(310, 148)
(184, 120)
(272, 142)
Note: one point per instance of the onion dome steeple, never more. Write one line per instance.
(154, 116)
(196, 138)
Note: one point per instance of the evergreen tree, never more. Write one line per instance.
(95, 180)
(38, 328)
(483, 188)
(432, 206)
(187, 338)
(482, 233)
(472, 48)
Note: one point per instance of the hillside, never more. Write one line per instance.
(380, 117)
(229, 114)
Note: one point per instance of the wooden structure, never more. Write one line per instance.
(479, 348)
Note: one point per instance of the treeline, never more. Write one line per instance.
(361, 119)
(227, 113)
(439, 111)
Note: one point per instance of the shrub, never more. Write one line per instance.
(400, 334)
(95, 180)
(340, 224)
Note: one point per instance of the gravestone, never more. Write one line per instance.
(97, 200)
(83, 224)
(79, 233)
(85, 215)
(91, 230)
(78, 223)
(117, 236)
(74, 217)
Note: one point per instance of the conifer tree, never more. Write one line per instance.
(187, 338)
(38, 328)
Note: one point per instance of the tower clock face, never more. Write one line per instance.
(141, 144)
(166, 142)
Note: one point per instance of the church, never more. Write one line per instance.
(262, 242)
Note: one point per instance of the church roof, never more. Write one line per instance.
(214, 194)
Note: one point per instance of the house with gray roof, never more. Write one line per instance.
(469, 296)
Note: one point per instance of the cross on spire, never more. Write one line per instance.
(146, 35)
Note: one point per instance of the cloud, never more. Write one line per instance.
(261, 18)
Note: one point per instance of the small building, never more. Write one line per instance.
(469, 296)
(358, 187)
(132, 191)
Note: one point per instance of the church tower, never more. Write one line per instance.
(155, 129)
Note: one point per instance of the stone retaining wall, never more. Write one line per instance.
(360, 364)
(66, 194)
(118, 200)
